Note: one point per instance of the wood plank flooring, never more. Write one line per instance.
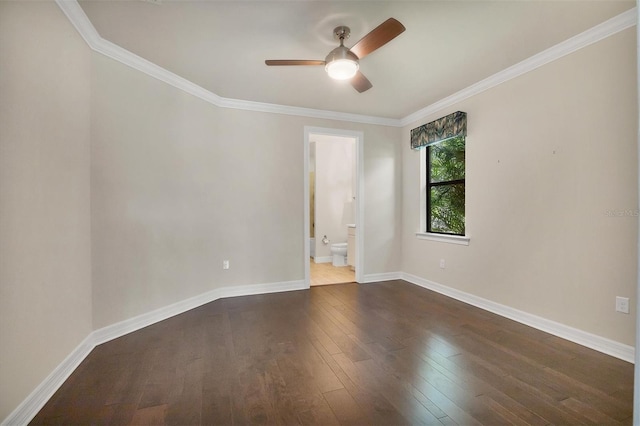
(352, 354)
(326, 273)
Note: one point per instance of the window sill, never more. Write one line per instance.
(443, 238)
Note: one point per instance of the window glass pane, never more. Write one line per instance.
(447, 209)
(447, 160)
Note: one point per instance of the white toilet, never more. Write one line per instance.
(339, 251)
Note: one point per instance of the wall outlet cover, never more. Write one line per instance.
(622, 304)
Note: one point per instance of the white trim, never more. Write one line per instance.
(127, 326)
(423, 234)
(27, 410)
(308, 112)
(360, 225)
(254, 289)
(443, 238)
(121, 328)
(81, 22)
(636, 372)
(33, 403)
(306, 197)
(384, 276)
(598, 343)
(422, 226)
(323, 259)
(607, 28)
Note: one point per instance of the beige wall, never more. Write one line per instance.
(179, 185)
(142, 216)
(45, 271)
(334, 164)
(549, 154)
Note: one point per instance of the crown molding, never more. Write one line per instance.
(81, 22)
(308, 112)
(601, 31)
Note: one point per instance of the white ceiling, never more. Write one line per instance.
(448, 45)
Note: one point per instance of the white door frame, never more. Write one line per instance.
(636, 381)
(359, 219)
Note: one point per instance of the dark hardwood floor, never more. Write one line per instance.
(387, 353)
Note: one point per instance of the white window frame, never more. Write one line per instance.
(422, 233)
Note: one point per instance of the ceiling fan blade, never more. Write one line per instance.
(378, 37)
(360, 82)
(279, 62)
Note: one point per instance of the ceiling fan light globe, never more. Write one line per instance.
(342, 69)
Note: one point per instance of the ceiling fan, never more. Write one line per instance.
(342, 63)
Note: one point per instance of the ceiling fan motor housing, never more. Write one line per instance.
(341, 63)
(341, 52)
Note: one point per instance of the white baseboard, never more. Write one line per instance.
(27, 410)
(385, 276)
(598, 343)
(249, 290)
(136, 323)
(323, 259)
(127, 326)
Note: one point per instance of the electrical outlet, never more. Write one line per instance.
(225, 264)
(441, 263)
(622, 304)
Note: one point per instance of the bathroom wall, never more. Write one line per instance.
(312, 205)
(334, 165)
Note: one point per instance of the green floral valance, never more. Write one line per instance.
(450, 126)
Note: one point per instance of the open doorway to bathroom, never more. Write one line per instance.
(332, 160)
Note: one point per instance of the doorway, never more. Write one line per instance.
(333, 209)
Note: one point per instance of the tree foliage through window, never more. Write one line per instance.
(445, 186)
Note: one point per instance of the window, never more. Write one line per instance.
(441, 144)
(445, 191)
